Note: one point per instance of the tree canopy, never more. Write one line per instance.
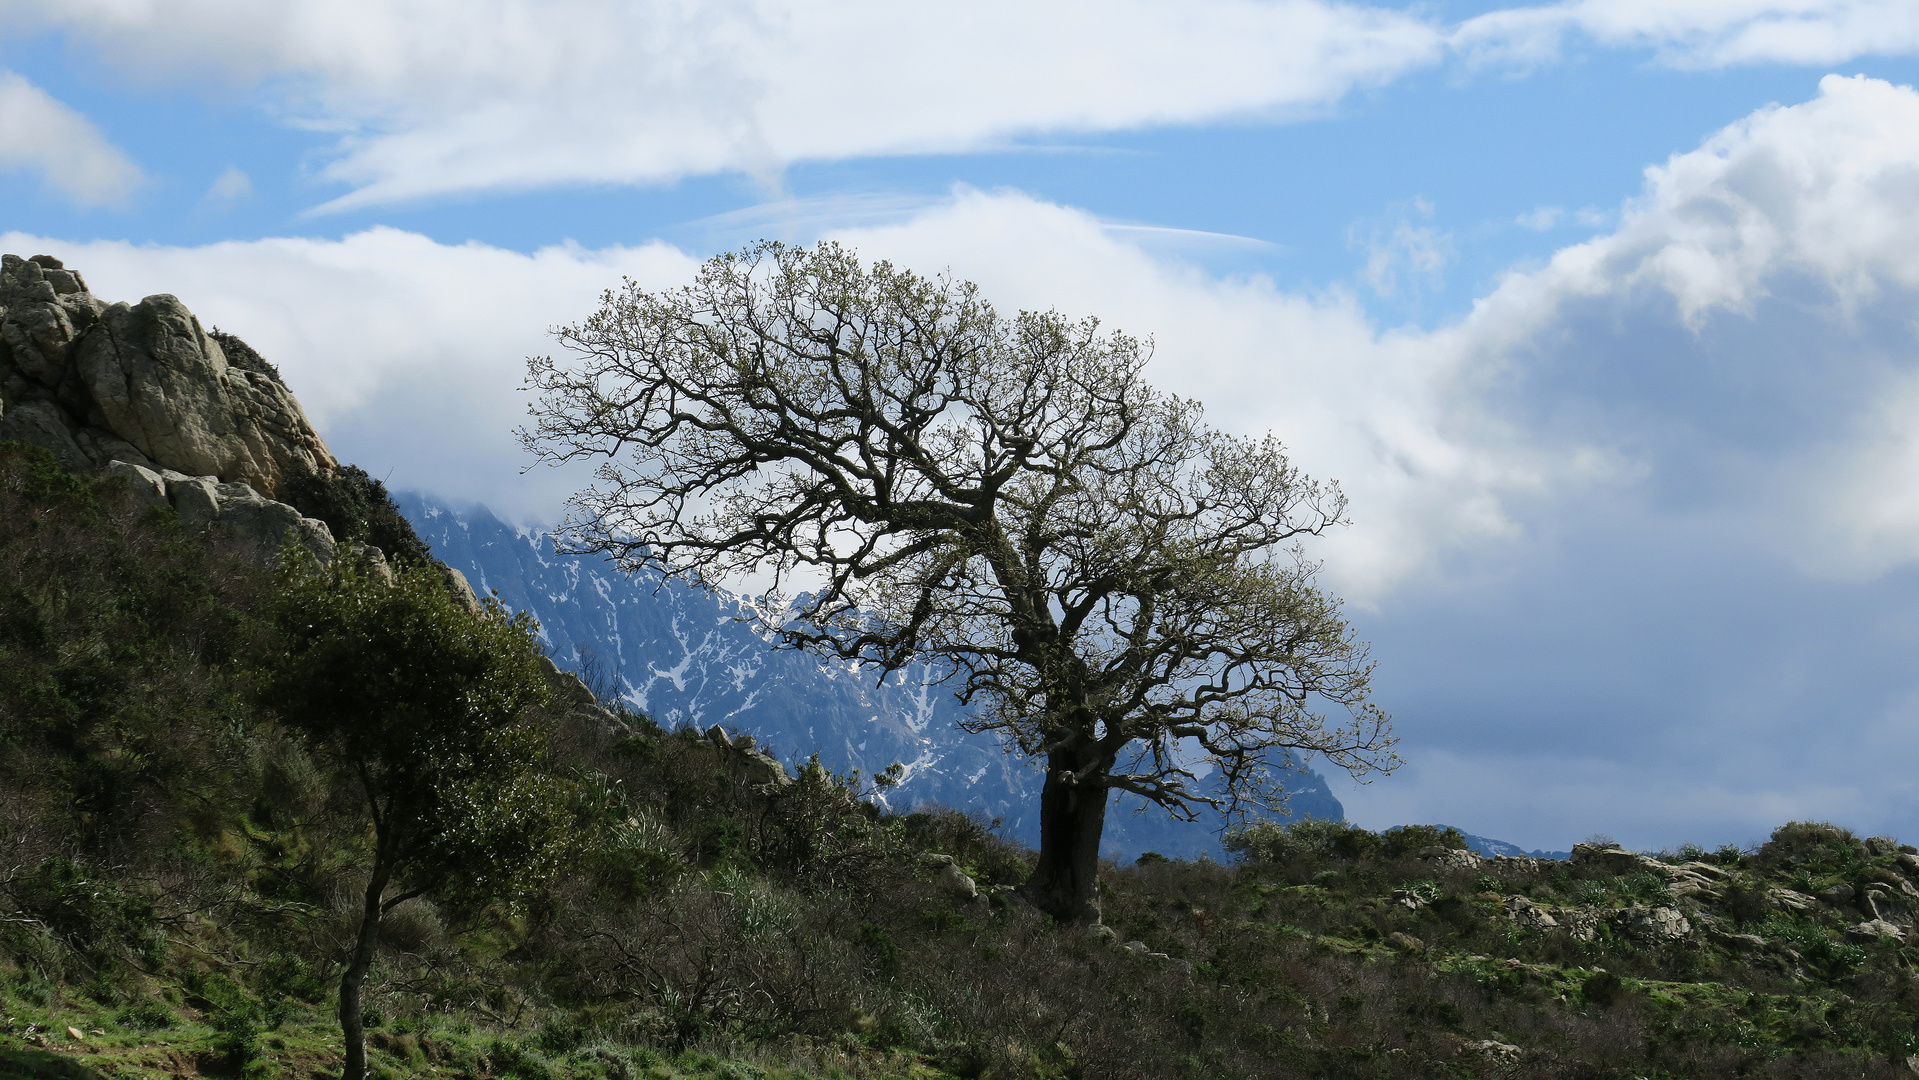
(1116, 588)
(436, 712)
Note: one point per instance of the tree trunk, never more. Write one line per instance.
(352, 1029)
(1065, 883)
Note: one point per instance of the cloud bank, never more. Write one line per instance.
(436, 98)
(1687, 449)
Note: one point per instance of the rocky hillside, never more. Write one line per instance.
(683, 656)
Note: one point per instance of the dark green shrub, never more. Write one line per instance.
(1602, 988)
(1812, 848)
(357, 508)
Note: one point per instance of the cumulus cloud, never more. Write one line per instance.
(1684, 449)
(40, 135)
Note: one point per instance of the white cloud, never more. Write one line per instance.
(439, 97)
(229, 187)
(1702, 33)
(1541, 219)
(43, 136)
(1708, 416)
(1553, 383)
(433, 97)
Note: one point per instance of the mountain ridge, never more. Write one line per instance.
(688, 657)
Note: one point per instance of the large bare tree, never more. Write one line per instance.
(1115, 588)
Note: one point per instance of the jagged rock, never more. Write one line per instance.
(1694, 878)
(1530, 915)
(567, 687)
(141, 383)
(1103, 933)
(1405, 942)
(1740, 942)
(1408, 899)
(236, 513)
(952, 878)
(1616, 860)
(1582, 923)
(146, 484)
(1838, 896)
(1795, 901)
(373, 561)
(1137, 948)
(1452, 858)
(757, 760)
(45, 424)
(1877, 846)
(1498, 1051)
(456, 583)
(1872, 930)
(1654, 924)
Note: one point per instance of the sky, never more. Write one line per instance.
(1604, 314)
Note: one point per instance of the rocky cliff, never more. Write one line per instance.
(142, 383)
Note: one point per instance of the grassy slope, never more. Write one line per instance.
(177, 876)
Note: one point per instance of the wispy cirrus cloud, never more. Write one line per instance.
(433, 98)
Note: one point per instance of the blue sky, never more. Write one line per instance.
(1602, 313)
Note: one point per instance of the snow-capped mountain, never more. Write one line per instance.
(686, 656)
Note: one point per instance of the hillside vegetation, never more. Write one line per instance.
(180, 875)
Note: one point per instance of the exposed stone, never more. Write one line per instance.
(568, 688)
(960, 883)
(1796, 901)
(148, 485)
(1582, 923)
(1529, 915)
(1405, 942)
(771, 772)
(1497, 1051)
(1872, 930)
(1408, 899)
(1838, 896)
(456, 584)
(1877, 846)
(141, 383)
(1654, 924)
(373, 561)
(1451, 858)
(45, 425)
(195, 498)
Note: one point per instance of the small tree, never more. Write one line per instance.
(1116, 586)
(433, 712)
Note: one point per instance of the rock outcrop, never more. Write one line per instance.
(232, 510)
(143, 383)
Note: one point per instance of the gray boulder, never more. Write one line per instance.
(1654, 924)
(148, 485)
(45, 424)
(141, 383)
(1872, 930)
(235, 513)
